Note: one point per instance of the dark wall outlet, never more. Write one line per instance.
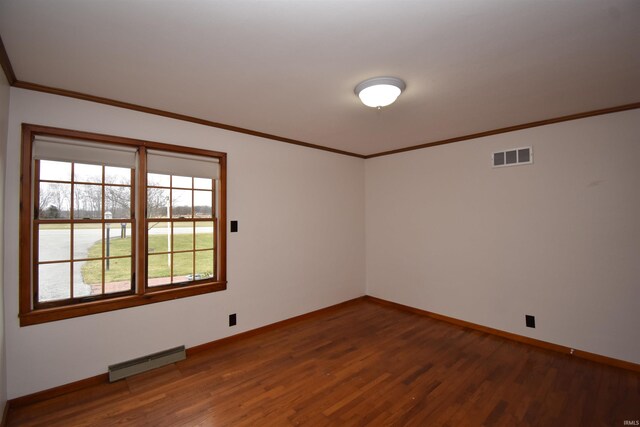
(530, 321)
(232, 319)
(234, 226)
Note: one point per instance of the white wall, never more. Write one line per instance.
(559, 239)
(4, 118)
(445, 232)
(300, 246)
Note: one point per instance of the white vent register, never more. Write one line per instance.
(513, 157)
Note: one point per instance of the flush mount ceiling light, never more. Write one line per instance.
(379, 91)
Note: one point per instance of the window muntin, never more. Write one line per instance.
(72, 257)
(180, 230)
(69, 195)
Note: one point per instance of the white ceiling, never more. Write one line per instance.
(289, 67)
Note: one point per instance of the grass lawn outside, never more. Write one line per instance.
(98, 226)
(78, 226)
(120, 268)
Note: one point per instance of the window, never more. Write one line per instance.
(109, 223)
(77, 254)
(180, 222)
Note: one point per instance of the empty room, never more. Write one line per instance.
(320, 213)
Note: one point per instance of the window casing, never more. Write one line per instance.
(136, 223)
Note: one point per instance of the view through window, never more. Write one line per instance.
(180, 229)
(83, 229)
(114, 222)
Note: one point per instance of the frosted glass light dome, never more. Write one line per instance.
(379, 91)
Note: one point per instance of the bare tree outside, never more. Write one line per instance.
(55, 199)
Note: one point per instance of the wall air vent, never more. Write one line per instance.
(145, 363)
(513, 157)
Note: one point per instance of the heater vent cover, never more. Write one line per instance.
(512, 157)
(146, 363)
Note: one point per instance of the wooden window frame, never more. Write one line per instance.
(72, 221)
(29, 314)
(172, 220)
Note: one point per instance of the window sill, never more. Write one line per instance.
(45, 315)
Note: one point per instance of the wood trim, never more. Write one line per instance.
(6, 65)
(102, 230)
(511, 129)
(57, 391)
(270, 327)
(141, 224)
(134, 107)
(29, 314)
(25, 260)
(101, 306)
(220, 251)
(112, 102)
(104, 378)
(5, 414)
(13, 81)
(112, 139)
(510, 336)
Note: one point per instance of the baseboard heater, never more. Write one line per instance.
(146, 363)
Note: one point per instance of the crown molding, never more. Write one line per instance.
(6, 65)
(13, 81)
(529, 125)
(120, 104)
(140, 108)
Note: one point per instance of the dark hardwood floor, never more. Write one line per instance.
(360, 364)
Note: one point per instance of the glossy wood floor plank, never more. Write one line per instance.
(360, 365)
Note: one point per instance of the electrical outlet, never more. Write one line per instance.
(530, 321)
(232, 319)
